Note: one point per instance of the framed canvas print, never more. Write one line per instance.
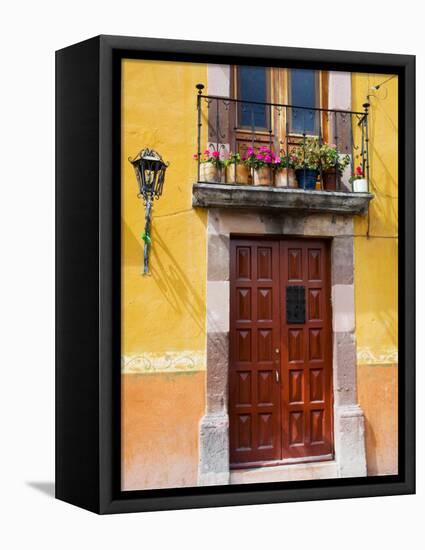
(235, 274)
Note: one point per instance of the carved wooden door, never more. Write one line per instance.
(280, 387)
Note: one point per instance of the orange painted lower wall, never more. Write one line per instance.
(377, 393)
(161, 414)
(160, 417)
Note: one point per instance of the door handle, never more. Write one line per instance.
(277, 375)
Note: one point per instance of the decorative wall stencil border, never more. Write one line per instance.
(366, 356)
(169, 361)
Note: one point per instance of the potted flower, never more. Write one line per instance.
(306, 158)
(333, 165)
(358, 181)
(261, 163)
(284, 171)
(237, 172)
(210, 166)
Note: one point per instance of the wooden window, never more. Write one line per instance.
(256, 125)
(303, 91)
(253, 85)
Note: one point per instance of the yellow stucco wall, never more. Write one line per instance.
(163, 315)
(376, 276)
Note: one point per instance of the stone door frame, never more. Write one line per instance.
(348, 418)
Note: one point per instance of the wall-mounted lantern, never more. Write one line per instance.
(150, 174)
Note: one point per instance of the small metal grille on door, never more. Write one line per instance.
(295, 304)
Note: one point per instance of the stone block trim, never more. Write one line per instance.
(218, 255)
(214, 450)
(342, 259)
(350, 455)
(217, 306)
(344, 368)
(217, 372)
(350, 441)
(343, 315)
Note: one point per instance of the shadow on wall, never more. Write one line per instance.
(384, 208)
(174, 282)
(166, 270)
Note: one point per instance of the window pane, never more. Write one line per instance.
(303, 93)
(252, 86)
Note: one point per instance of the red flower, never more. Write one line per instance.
(359, 171)
(215, 154)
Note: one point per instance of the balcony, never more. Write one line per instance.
(216, 195)
(289, 158)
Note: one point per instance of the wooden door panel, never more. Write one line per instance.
(254, 408)
(293, 258)
(306, 353)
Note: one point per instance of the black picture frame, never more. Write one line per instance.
(88, 272)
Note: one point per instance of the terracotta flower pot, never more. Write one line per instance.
(237, 174)
(329, 180)
(360, 185)
(285, 178)
(210, 173)
(263, 176)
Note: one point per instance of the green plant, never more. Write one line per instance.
(284, 161)
(234, 158)
(306, 154)
(330, 158)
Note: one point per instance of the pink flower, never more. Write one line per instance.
(277, 160)
(268, 158)
(195, 156)
(264, 149)
(259, 156)
(207, 152)
(215, 154)
(249, 151)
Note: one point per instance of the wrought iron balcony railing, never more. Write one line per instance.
(288, 132)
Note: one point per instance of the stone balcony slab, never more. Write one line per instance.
(216, 195)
